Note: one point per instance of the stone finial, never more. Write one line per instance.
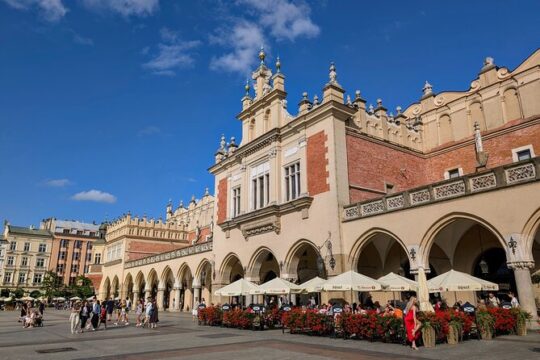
(193, 198)
(357, 94)
(333, 74)
(379, 102)
(398, 110)
(206, 191)
(315, 100)
(181, 205)
(262, 55)
(349, 102)
(305, 96)
(278, 65)
(427, 89)
(370, 108)
(222, 143)
(489, 61)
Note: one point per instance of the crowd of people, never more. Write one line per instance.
(90, 315)
(31, 316)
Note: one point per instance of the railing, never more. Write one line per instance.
(190, 250)
(496, 178)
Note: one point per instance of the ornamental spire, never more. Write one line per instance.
(262, 55)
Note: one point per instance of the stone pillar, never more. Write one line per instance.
(176, 296)
(159, 300)
(196, 295)
(147, 294)
(135, 298)
(188, 300)
(525, 293)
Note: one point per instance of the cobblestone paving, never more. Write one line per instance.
(177, 337)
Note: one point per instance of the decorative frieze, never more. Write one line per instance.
(351, 212)
(196, 249)
(395, 202)
(520, 173)
(374, 207)
(420, 197)
(449, 190)
(483, 182)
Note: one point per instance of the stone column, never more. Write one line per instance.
(147, 294)
(176, 293)
(196, 295)
(135, 298)
(159, 300)
(525, 293)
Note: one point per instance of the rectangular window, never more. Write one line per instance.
(13, 246)
(87, 269)
(64, 243)
(27, 246)
(292, 181)
(38, 278)
(74, 268)
(10, 260)
(76, 256)
(62, 255)
(78, 244)
(389, 188)
(24, 261)
(523, 154)
(22, 278)
(88, 256)
(92, 234)
(260, 186)
(40, 262)
(66, 231)
(454, 173)
(89, 246)
(236, 201)
(7, 277)
(42, 248)
(97, 259)
(60, 268)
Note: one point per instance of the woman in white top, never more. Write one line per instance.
(194, 311)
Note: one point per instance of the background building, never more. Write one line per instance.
(71, 252)
(27, 257)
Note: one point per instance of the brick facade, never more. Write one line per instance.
(205, 231)
(373, 164)
(140, 249)
(317, 161)
(222, 201)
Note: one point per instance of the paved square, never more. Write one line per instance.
(178, 337)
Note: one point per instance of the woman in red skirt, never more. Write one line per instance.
(412, 325)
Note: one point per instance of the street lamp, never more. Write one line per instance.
(320, 261)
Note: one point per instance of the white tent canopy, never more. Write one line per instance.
(351, 280)
(75, 298)
(277, 286)
(458, 281)
(313, 285)
(59, 298)
(239, 287)
(395, 282)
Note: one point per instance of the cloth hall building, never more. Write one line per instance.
(450, 182)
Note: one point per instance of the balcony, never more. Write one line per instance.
(266, 219)
(501, 177)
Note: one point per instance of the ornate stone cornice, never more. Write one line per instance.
(516, 265)
(196, 249)
(266, 219)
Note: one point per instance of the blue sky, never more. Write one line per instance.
(113, 105)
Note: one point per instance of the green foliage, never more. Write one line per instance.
(35, 294)
(18, 293)
(51, 284)
(82, 287)
(4, 293)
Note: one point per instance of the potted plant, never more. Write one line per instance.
(486, 324)
(454, 331)
(429, 328)
(522, 318)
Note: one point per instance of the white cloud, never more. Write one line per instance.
(58, 182)
(50, 10)
(79, 39)
(149, 130)
(94, 195)
(173, 53)
(125, 8)
(285, 19)
(246, 39)
(282, 19)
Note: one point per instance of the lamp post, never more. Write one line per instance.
(320, 261)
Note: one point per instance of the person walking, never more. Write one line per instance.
(110, 307)
(412, 325)
(96, 312)
(103, 317)
(84, 314)
(513, 299)
(41, 308)
(147, 312)
(139, 312)
(154, 319)
(74, 318)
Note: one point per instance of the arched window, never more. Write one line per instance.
(446, 133)
(511, 104)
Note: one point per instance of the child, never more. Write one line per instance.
(103, 317)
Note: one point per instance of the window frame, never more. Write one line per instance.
(292, 176)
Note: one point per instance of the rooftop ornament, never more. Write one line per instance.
(333, 74)
(427, 89)
(278, 65)
(262, 55)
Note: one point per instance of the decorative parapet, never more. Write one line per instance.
(180, 253)
(266, 219)
(497, 178)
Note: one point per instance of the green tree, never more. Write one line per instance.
(51, 284)
(18, 293)
(35, 294)
(82, 287)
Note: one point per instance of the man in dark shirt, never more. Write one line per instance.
(110, 307)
